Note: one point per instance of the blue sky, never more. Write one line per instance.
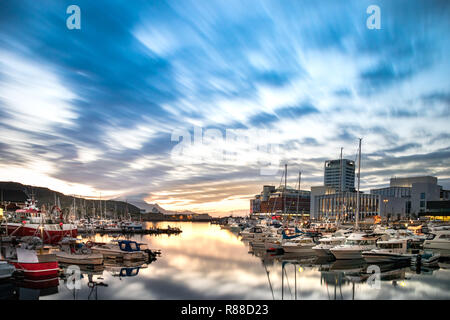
(92, 111)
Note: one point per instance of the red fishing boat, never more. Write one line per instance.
(31, 258)
(30, 221)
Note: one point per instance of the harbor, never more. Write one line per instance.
(219, 158)
(231, 268)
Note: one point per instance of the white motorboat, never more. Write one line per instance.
(391, 250)
(354, 245)
(439, 241)
(253, 233)
(299, 245)
(326, 243)
(131, 225)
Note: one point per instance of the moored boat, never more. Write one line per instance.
(31, 258)
(391, 250)
(74, 252)
(326, 243)
(121, 249)
(354, 245)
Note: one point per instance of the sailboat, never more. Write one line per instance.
(357, 242)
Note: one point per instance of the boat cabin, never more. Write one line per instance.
(130, 246)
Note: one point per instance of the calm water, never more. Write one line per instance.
(205, 262)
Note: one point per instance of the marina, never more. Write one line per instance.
(230, 268)
(217, 158)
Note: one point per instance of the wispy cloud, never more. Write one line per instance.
(93, 110)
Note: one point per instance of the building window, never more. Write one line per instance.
(422, 196)
(422, 204)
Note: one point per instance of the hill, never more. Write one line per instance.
(45, 196)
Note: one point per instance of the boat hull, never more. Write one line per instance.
(79, 259)
(51, 234)
(298, 249)
(37, 270)
(117, 254)
(347, 254)
(322, 252)
(384, 258)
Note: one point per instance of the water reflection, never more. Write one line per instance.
(206, 262)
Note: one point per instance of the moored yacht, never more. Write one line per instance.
(391, 250)
(299, 244)
(354, 245)
(439, 241)
(326, 243)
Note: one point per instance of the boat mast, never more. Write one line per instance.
(101, 212)
(359, 180)
(341, 189)
(298, 194)
(285, 185)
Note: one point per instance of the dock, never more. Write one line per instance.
(168, 231)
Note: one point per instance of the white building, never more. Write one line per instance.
(340, 177)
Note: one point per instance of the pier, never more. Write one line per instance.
(168, 231)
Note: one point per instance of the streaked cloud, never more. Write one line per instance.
(93, 110)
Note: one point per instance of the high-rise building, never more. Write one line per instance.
(340, 177)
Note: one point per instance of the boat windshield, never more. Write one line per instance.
(359, 242)
(390, 245)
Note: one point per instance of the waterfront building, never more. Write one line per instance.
(343, 205)
(405, 197)
(340, 177)
(408, 196)
(407, 182)
(281, 201)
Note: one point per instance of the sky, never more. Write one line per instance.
(196, 105)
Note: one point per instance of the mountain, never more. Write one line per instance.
(45, 196)
(148, 207)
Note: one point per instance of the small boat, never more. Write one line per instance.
(6, 270)
(253, 233)
(391, 250)
(427, 259)
(299, 245)
(121, 249)
(130, 225)
(74, 252)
